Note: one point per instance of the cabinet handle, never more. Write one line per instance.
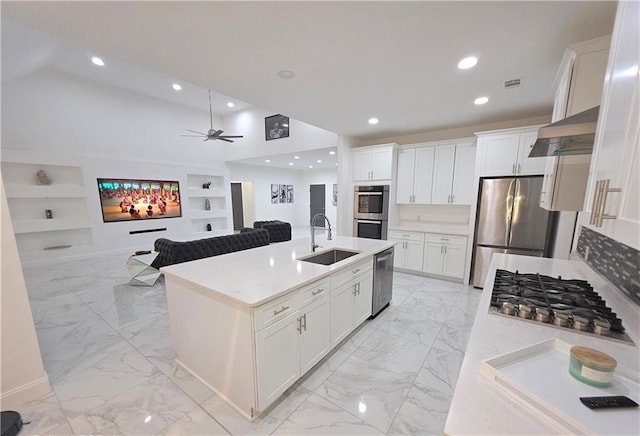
(441, 247)
(445, 249)
(603, 202)
(354, 289)
(519, 169)
(304, 322)
(356, 270)
(595, 205)
(316, 292)
(513, 168)
(299, 328)
(278, 312)
(453, 198)
(406, 244)
(358, 288)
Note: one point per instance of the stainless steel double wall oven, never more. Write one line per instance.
(371, 211)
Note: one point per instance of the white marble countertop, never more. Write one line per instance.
(256, 276)
(480, 407)
(432, 227)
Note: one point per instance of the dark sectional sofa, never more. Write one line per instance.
(172, 252)
(279, 231)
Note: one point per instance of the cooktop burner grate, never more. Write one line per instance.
(555, 302)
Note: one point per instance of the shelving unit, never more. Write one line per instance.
(66, 197)
(219, 203)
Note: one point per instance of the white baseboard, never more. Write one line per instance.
(17, 397)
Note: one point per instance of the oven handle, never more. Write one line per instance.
(368, 193)
(369, 221)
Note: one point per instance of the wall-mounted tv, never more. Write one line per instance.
(133, 199)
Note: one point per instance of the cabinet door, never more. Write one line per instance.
(453, 262)
(443, 174)
(363, 298)
(463, 173)
(413, 255)
(530, 165)
(404, 179)
(398, 253)
(278, 359)
(423, 178)
(433, 257)
(360, 165)
(381, 163)
(499, 155)
(342, 301)
(314, 340)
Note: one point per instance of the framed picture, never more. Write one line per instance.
(283, 194)
(276, 127)
(335, 194)
(275, 194)
(289, 193)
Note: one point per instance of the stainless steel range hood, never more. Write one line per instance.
(570, 136)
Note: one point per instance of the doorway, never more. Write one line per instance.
(236, 205)
(317, 199)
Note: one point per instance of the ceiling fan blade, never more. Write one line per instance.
(199, 133)
(193, 136)
(231, 136)
(224, 138)
(217, 133)
(206, 139)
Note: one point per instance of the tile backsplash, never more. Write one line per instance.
(617, 262)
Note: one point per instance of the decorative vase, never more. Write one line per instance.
(207, 204)
(48, 213)
(208, 227)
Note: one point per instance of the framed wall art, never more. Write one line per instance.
(276, 127)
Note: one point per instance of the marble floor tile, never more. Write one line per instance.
(196, 422)
(152, 338)
(366, 391)
(43, 414)
(441, 368)
(411, 327)
(353, 341)
(189, 384)
(45, 287)
(103, 375)
(317, 416)
(145, 409)
(267, 422)
(318, 374)
(455, 335)
(439, 296)
(424, 307)
(424, 412)
(393, 353)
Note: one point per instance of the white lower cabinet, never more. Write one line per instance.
(408, 250)
(444, 255)
(350, 300)
(314, 335)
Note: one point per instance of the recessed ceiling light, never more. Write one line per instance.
(467, 63)
(97, 61)
(286, 74)
(290, 163)
(296, 157)
(267, 160)
(481, 100)
(373, 121)
(176, 86)
(319, 161)
(230, 104)
(285, 125)
(332, 152)
(310, 166)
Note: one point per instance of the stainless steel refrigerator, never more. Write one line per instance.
(509, 220)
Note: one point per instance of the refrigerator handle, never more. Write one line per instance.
(509, 211)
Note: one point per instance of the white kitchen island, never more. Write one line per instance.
(479, 406)
(249, 324)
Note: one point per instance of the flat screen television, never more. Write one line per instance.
(134, 200)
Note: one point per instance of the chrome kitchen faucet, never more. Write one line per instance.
(313, 233)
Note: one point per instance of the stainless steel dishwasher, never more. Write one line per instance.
(382, 281)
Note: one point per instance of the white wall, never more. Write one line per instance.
(23, 376)
(250, 123)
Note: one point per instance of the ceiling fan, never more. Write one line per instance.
(212, 134)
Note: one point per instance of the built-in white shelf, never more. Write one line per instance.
(48, 225)
(44, 191)
(199, 192)
(207, 214)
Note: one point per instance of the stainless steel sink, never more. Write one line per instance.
(329, 257)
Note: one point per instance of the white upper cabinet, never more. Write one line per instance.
(506, 153)
(612, 201)
(581, 77)
(372, 163)
(414, 176)
(433, 173)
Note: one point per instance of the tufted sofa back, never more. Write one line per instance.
(172, 252)
(279, 231)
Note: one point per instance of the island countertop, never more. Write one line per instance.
(480, 407)
(255, 276)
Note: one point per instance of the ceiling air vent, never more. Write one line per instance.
(513, 83)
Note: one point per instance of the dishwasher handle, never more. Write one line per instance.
(384, 258)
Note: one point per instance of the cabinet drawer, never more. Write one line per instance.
(446, 239)
(273, 311)
(353, 271)
(406, 236)
(313, 292)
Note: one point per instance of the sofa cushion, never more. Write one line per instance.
(172, 252)
(279, 231)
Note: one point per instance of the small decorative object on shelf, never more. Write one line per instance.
(207, 204)
(208, 227)
(41, 178)
(48, 214)
(206, 185)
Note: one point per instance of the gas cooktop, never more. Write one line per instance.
(556, 302)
